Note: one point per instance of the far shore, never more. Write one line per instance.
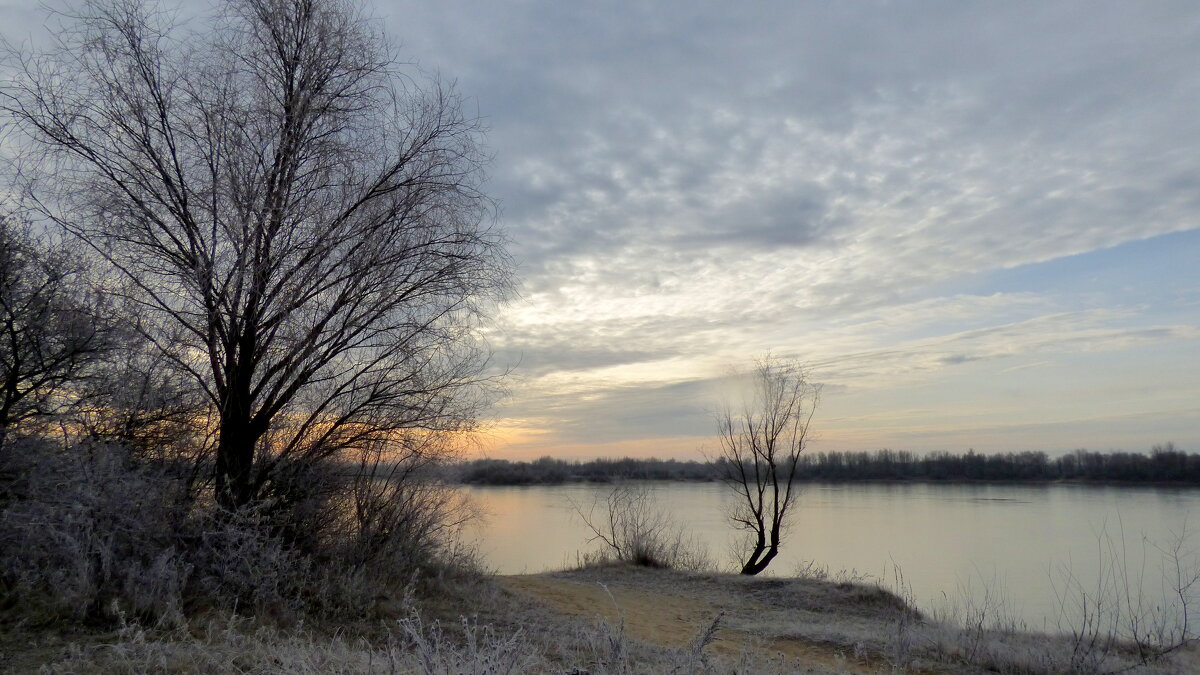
(580, 480)
(1163, 466)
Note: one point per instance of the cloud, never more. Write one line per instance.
(1066, 333)
(627, 129)
(689, 184)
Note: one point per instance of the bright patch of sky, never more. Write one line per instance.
(976, 221)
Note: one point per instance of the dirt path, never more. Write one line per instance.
(676, 617)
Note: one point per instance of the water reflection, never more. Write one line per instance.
(948, 540)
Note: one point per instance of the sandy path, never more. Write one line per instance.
(671, 619)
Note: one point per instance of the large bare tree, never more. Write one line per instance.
(301, 223)
(761, 441)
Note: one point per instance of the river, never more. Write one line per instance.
(1030, 553)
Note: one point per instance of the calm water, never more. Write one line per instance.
(950, 542)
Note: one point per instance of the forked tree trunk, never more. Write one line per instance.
(762, 555)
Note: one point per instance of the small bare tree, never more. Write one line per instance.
(51, 330)
(761, 442)
(635, 529)
(301, 224)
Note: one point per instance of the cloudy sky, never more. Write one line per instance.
(978, 223)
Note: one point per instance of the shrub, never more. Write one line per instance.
(85, 531)
(634, 530)
(91, 532)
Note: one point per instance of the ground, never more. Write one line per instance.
(673, 611)
(601, 620)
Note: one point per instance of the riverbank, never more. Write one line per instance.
(606, 619)
(1164, 465)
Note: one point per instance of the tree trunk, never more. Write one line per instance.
(763, 554)
(238, 436)
(7, 398)
(756, 562)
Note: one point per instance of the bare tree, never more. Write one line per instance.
(302, 225)
(51, 333)
(761, 442)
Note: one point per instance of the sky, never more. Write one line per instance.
(977, 223)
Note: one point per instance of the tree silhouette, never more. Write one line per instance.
(761, 442)
(300, 222)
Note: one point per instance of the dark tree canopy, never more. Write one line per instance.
(51, 331)
(300, 223)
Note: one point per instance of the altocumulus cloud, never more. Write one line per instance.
(688, 184)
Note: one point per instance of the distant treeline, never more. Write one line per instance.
(1163, 464)
(550, 470)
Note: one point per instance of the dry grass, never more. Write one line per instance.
(618, 619)
(507, 632)
(842, 625)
